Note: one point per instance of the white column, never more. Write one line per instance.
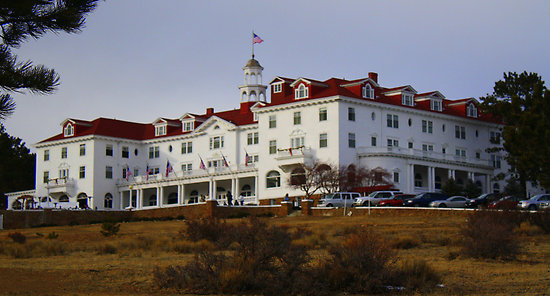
(235, 195)
(411, 178)
(121, 200)
(179, 194)
(431, 177)
(159, 198)
(214, 190)
(471, 176)
(182, 194)
(139, 198)
(210, 192)
(452, 174)
(256, 189)
(237, 187)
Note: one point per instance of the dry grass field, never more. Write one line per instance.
(81, 261)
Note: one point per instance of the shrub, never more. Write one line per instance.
(17, 237)
(542, 220)
(489, 234)
(106, 249)
(404, 242)
(53, 235)
(359, 264)
(214, 230)
(416, 275)
(109, 228)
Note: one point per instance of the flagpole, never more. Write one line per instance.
(252, 43)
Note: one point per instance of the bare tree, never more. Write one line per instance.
(307, 178)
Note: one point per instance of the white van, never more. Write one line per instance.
(375, 197)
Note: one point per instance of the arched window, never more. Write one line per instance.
(368, 92)
(253, 96)
(220, 192)
(246, 190)
(82, 200)
(108, 201)
(417, 180)
(437, 182)
(69, 130)
(17, 205)
(173, 198)
(64, 198)
(273, 179)
(301, 92)
(471, 110)
(253, 79)
(496, 188)
(194, 196)
(45, 199)
(298, 176)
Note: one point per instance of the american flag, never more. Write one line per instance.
(225, 161)
(202, 166)
(257, 39)
(147, 172)
(246, 159)
(128, 173)
(169, 168)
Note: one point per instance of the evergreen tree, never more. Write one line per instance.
(16, 166)
(522, 103)
(23, 19)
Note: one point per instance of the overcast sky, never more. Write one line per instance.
(138, 60)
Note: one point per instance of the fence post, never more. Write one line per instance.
(1, 222)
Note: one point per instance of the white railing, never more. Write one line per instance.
(422, 154)
(293, 152)
(60, 182)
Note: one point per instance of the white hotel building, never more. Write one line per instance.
(423, 139)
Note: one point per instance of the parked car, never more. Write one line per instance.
(508, 202)
(534, 203)
(338, 199)
(375, 197)
(451, 202)
(482, 201)
(424, 199)
(396, 201)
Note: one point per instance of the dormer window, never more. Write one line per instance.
(160, 130)
(368, 92)
(471, 111)
(277, 88)
(188, 126)
(301, 92)
(69, 130)
(436, 105)
(407, 100)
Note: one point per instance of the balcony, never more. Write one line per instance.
(292, 156)
(424, 155)
(62, 184)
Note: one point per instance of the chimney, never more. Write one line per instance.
(209, 111)
(373, 76)
(245, 107)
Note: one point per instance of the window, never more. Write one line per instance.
(69, 130)
(63, 173)
(136, 172)
(154, 152)
(297, 142)
(460, 152)
(427, 126)
(417, 180)
(298, 176)
(46, 178)
(82, 172)
(351, 114)
(252, 138)
(64, 152)
(215, 163)
(427, 147)
(407, 99)
(160, 130)
(323, 140)
(108, 172)
(216, 142)
(392, 121)
(297, 118)
(272, 146)
(460, 132)
(395, 177)
(323, 114)
(108, 201)
(478, 154)
(272, 121)
(154, 171)
(82, 149)
(495, 159)
(436, 105)
(188, 126)
(494, 137)
(252, 159)
(273, 179)
(443, 150)
(186, 147)
(277, 88)
(246, 190)
(109, 150)
(393, 143)
(125, 152)
(471, 110)
(187, 167)
(373, 141)
(46, 155)
(351, 140)
(301, 92)
(368, 92)
(410, 145)
(124, 172)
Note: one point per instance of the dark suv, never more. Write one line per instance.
(482, 201)
(424, 199)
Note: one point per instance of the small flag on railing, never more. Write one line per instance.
(246, 159)
(202, 166)
(169, 168)
(147, 172)
(128, 173)
(225, 161)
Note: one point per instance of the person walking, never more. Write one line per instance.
(229, 198)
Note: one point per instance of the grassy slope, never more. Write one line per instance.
(83, 272)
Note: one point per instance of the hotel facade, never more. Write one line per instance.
(421, 139)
